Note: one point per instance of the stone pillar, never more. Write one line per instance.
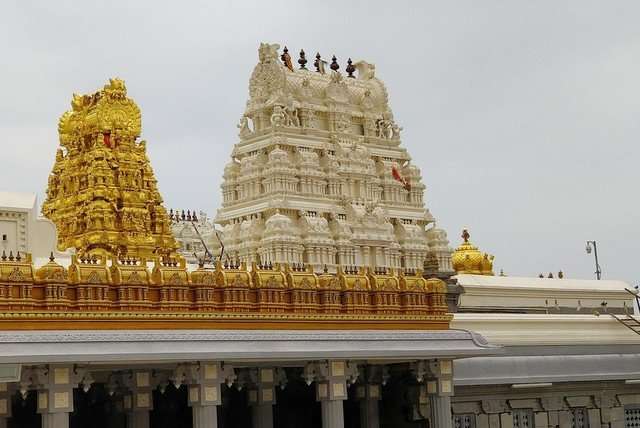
(440, 390)
(139, 402)
(138, 419)
(369, 395)
(262, 397)
(331, 391)
(55, 397)
(205, 416)
(440, 411)
(55, 420)
(5, 404)
(204, 393)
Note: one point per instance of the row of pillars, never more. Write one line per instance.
(55, 384)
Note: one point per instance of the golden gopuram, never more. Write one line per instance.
(102, 193)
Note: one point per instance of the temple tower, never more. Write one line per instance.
(102, 193)
(319, 175)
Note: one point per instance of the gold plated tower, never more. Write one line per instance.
(102, 193)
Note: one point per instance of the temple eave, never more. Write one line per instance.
(238, 345)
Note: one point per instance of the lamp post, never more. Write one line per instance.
(593, 245)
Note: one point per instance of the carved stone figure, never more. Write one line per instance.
(291, 115)
(366, 71)
(268, 53)
(244, 127)
(395, 130)
(278, 117)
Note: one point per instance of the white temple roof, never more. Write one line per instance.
(518, 282)
(17, 200)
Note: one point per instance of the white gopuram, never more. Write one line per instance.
(319, 175)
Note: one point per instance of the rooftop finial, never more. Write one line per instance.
(286, 58)
(465, 235)
(51, 258)
(303, 60)
(350, 69)
(334, 64)
(319, 63)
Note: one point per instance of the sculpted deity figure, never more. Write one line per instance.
(278, 117)
(385, 127)
(367, 102)
(244, 127)
(366, 71)
(305, 90)
(396, 130)
(268, 53)
(312, 120)
(291, 115)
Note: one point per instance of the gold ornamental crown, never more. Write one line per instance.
(107, 111)
(102, 193)
(468, 259)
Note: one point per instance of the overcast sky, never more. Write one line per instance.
(522, 115)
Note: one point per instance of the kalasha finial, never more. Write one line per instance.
(319, 63)
(334, 64)
(303, 60)
(51, 258)
(465, 235)
(286, 58)
(350, 69)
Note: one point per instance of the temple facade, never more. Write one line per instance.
(327, 299)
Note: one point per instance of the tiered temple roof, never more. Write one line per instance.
(102, 193)
(319, 175)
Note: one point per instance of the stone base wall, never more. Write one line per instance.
(598, 404)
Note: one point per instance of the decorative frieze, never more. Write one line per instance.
(125, 286)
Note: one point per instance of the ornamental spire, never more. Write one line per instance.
(102, 194)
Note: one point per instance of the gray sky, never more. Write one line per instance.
(523, 116)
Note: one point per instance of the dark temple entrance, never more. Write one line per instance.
(97, 408)
(170, 408)
(296, 404)
(23, 411)
(234, 411)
